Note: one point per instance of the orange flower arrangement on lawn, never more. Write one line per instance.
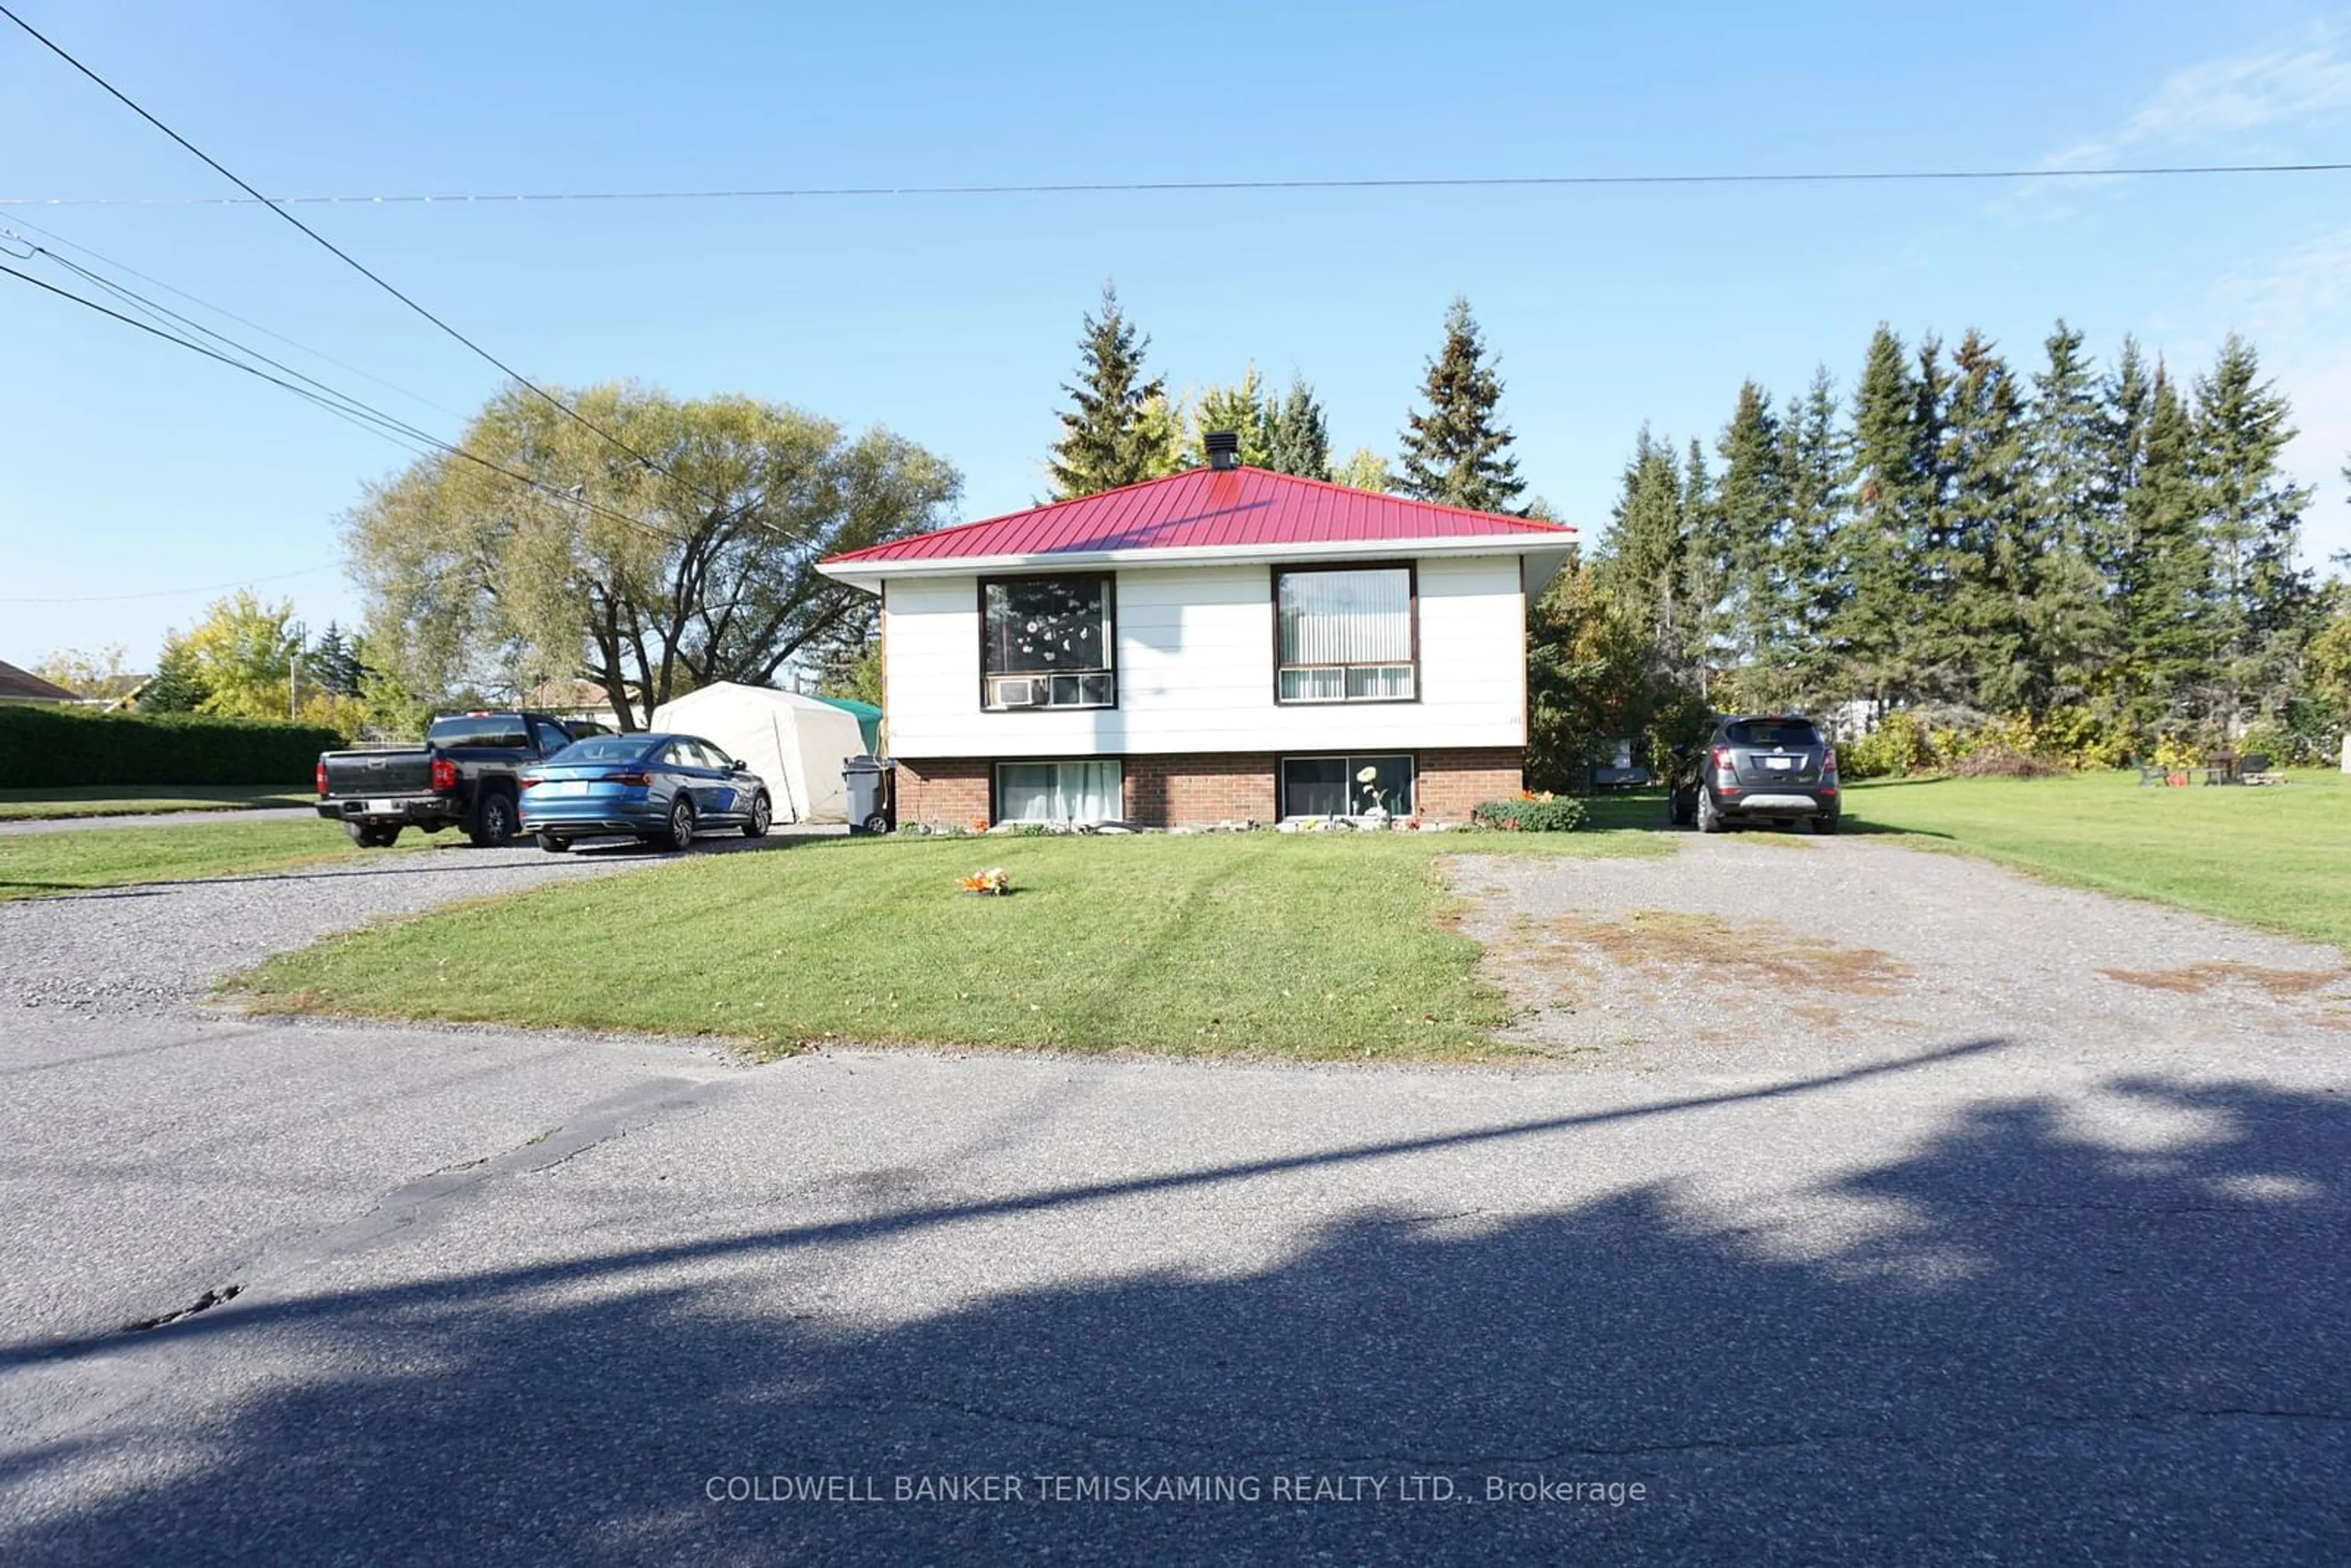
(991, 881)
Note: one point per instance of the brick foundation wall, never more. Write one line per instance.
(1169, 791)
(944, 792)
(1165, 791)
(1450, 784)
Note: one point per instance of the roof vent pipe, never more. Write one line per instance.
(1224, 448)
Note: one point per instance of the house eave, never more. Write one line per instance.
(1545, 552)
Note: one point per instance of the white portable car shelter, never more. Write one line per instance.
(795, 743)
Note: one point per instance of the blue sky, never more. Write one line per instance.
(127, 466)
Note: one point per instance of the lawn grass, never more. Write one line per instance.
(34, 865)
(2278, 856)
(1302, 947)
(143, 799)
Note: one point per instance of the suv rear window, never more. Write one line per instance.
(478, 729)
(1774, 732)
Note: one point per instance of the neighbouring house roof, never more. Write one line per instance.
(565, 697)
(1204, 515)
(24, 687)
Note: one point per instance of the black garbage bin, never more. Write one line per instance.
(872, 793)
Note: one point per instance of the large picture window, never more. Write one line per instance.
(1045, 642)
(1059, 792)
(1345, 636)
(1346, 786)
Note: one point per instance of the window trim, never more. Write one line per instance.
(1282, 775)
(1411, 569)
(996, 781)
(1110, 635)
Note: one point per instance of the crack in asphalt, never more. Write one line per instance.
(408, 1210)
(212, 1298)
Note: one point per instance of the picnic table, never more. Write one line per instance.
(2221, 768)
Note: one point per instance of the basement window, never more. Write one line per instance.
(1060, 791)
(1346, 786)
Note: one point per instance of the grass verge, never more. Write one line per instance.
(1298, 947)
(2278, 856)
(142, 799)
(34, 865)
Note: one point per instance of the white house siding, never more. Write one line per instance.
(1196, 671)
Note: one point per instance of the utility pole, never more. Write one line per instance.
(293, 673)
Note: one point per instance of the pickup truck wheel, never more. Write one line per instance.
(492, 826)
(370, 836)
(681, 826)
(762, 814)
(552, 844)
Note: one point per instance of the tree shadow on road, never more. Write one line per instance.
(2020, 1340)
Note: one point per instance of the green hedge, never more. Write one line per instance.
(42, 746)
(1560, 816)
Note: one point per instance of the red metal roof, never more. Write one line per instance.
(1204, 508)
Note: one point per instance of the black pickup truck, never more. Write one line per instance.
(464, 776)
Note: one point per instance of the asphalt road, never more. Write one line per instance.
(158, 820)
(2020, 1293)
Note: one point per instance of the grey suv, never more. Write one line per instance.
(1769, 768)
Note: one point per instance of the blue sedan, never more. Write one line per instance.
(663, 788)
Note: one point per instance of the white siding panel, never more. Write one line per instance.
(1196, 671)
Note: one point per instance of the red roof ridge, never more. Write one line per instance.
(889, 547)
(1533, 525)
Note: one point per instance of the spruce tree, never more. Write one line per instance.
(2254, 526)
(332, 663)
(1706, 643)
(178, 685)
(1751, 522)
(1975, 571)
(1816, 575)
(1109, 437)
(2162, 576)
(1457, 453)
(1301, 435)
(1645, 557)
(2071, 626)
(1871, 628)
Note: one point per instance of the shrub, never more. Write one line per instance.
(1893, 749)
(2000, 762)
(2080, 738)
(2285, 746)
(1532, 816)
(43, 747)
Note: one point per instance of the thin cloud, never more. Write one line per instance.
(2305, 78)
(2297, 310)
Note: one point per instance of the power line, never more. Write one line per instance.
(364, 411)
(176, 592)
(1156, 187)
(178, 326)
(350, 261)
(222, 311)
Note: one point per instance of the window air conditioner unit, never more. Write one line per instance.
(1024, 693)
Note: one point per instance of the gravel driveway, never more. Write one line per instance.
(1773, 951)
(160, 944)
